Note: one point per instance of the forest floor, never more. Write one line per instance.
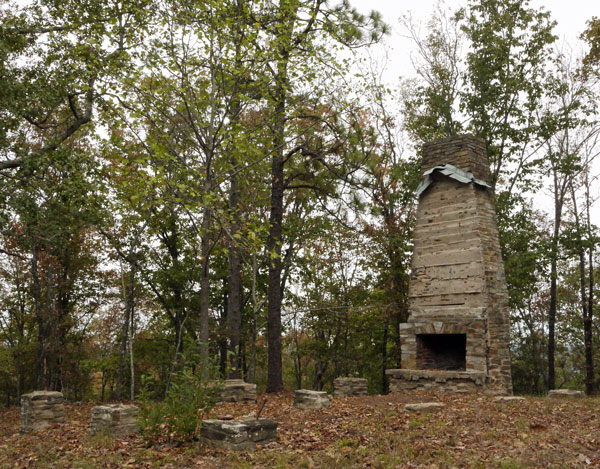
(368, 431)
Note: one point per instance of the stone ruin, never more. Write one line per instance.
(113, 419)
(457, 334)
(238, 434)
(343, 387)
(40, 409)
(237, 390)
(308, 400)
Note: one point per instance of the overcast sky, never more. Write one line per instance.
(570, 15)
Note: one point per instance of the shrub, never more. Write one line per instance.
(177, 417)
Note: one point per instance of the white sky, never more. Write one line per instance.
(571, 17)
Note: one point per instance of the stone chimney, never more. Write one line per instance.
(462, 151)
(457, 334)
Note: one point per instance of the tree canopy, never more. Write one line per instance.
(219, 186)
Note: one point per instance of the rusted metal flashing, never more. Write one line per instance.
(452, 172)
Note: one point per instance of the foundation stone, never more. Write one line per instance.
(237, 390)
(114, 419)
(306, 399)
(560, 393)
(425, 407)
(509, 399)
(343, 387)
(40, 409)
(238, 434)
(448, 381)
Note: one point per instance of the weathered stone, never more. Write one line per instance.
(306, 399)
(425, 407)
(447, 381)
(560, 393)
(509, 399)
(457, 285)
(237, 390)
(238, 434)
(343, 387)
(114, 419)
(41, 409)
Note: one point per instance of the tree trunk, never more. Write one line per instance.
(590, 382)
(124, 337)
(223, 332)
(234, 303)
(588, 318)
(553, 278)
(587, 325)
(274, 241)
(255, 307)
(204, 292)
(552, 324)
(274, 365)
(131, 333)
(41, 324)
(234, 316)
(384, 381)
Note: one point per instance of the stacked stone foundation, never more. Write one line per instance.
(309, 400)
(115, 419)
(238, 434)
(41, 409)
(345, 387)
(237, 390)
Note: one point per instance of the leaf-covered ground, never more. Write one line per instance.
(369, 431)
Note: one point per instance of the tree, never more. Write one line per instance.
(384, 205)
(431, 106)
(80, 48)
(509, 45)
(592, 36)
(581, 238)
(298, 32)
(186, 102)
(568, 132)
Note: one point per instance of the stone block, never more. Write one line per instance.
(561, 393)
(446, 381)
(41, 409)
(425, 407)
(114, 419)
(237, 390)
(238, 434)
(509, 399)
(306, 399)
(350, 387)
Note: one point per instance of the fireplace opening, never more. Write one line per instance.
(442, 351)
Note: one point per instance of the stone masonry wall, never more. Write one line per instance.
(498, 321)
